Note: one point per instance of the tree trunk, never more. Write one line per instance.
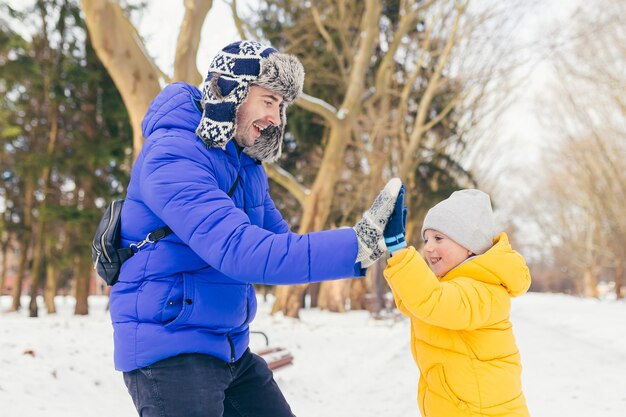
(289, 299)
(378, 284)
(316, 209)
(29, 189)
(317, 206)
(38, 248)
(35, 270)
(51, 281)
(619, 278)
(358, 289)
(185, 68)
(333, 296)
(5, 264)
(123, 54)
(590, 282)
(16, 292)
(82, 278)
(314, 292)
(294, 300)
(84, 266)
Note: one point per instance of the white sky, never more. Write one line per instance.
(161, 24)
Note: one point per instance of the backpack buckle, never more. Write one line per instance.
(137, 246)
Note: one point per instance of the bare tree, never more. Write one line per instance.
(407, 83)
(583, 209)
(123, 53)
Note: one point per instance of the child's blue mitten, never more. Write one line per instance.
(396, 226)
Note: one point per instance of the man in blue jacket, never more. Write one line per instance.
(182, 305)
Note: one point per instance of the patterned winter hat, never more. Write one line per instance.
(232, 71)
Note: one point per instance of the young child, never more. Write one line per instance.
(458, 297)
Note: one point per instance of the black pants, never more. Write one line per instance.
(196, 385)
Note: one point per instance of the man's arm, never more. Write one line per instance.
(181, 189)
(272, 219)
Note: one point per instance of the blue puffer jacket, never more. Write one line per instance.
(192, 292)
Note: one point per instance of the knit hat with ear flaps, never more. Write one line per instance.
(465, 217)
(231, 73)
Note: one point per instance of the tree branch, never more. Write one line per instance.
(407, 22)
(288, 182)
(330, 45)
(239, 23)
(185, 68)
(408, 86)
(369, 32)
(319, 107)
(123, 54)
(425, 102)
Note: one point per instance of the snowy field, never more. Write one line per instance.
(573, 352)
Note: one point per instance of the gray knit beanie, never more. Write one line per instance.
(465, 217)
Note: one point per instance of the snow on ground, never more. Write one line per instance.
(573, 352)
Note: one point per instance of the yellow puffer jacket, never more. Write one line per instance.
(461, 336)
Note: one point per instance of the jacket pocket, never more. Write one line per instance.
(438, 398)
(200, 302)
(154, 299)
(174, 303)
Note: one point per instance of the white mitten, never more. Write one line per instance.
(369, 230)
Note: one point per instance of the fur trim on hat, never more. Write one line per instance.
(282, 74)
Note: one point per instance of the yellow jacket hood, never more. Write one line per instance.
(500, 265)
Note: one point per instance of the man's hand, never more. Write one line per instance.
(396, 227)
(369, 230)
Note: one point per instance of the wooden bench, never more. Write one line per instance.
(275, 356)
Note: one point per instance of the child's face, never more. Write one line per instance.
(442, 253)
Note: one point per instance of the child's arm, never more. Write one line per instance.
(462, 304)
(400, 304)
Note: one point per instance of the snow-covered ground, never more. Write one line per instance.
(573, 352)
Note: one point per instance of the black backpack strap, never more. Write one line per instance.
(234, 186)
(160, 233)
(124, 254)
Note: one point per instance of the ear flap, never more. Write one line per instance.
(213, 86)
(226, 86)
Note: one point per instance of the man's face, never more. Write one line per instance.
(260, 110)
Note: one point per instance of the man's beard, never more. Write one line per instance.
(242, 138)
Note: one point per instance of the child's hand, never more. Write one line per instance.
(396, 226)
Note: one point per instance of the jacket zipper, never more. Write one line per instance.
(247, 306)
(232, 349)
(95, 264)
(104, 249)
(230, 341)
